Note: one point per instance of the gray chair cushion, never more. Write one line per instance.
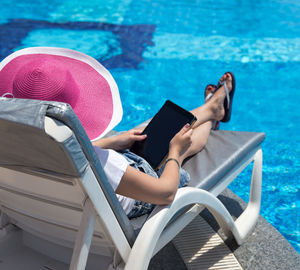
(223, 151)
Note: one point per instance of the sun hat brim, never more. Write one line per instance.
(99, 105)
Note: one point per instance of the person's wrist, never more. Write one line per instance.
(173, 156)
(115, 142)
(174, 160)
(174, 153)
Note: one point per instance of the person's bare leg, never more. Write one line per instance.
(203, 113)
(198, 112)
(200, 131)
(213, 109)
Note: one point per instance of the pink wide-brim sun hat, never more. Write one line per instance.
(59, 74)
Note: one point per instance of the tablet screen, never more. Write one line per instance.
(161, 129)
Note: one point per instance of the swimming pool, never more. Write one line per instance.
(157, 50)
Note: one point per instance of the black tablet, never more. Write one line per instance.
(161, 129)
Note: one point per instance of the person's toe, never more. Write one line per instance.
(227, 77)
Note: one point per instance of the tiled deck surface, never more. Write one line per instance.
(265, 249)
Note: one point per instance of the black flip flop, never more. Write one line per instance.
(228, 99)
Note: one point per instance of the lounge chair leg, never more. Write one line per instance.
(117, 263)
(247, 220)
(84, 239)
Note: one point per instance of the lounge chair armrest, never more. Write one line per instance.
(158, 221)
(151, 231)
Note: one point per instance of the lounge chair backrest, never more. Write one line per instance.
(45, 157)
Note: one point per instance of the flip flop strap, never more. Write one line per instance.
(208, 96)
(227, 93)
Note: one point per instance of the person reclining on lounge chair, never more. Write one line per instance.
(142, 187)
(71, 80)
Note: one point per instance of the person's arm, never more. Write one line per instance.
(143, 187)
(122, 141)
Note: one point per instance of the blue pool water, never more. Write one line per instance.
(157, 50)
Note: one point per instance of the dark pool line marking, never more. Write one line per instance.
(133, 39)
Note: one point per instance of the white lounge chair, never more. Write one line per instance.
(56, 202)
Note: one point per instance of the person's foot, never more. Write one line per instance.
(217, 100)
(208, 93)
